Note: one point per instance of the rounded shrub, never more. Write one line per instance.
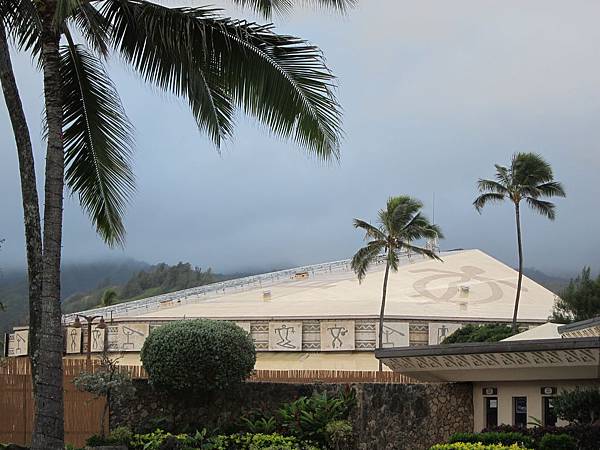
(557, 442)
(198, 356)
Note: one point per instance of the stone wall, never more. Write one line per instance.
(387, 416)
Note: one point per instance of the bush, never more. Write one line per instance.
(586, 436)
(339, 434)
(557, 442)
(475, 446)
(492, 332)
(258, 442)
(198, 355)
(308, 417)
(504, 438)
(580, 405)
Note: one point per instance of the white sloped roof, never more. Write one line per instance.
(546, 331)
(467, 285)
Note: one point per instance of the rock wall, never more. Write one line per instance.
(386, 417)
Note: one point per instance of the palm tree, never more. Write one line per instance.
(529, 178)
(399, 225)
(215, 63)
(109, 296)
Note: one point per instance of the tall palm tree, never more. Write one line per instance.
(529, 178)
(217, 64)
(399, 225)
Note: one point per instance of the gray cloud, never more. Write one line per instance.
(434, 93)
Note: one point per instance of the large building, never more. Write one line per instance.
(321, 317)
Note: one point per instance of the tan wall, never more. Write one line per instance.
(509, 389)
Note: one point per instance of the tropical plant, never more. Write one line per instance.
(580, 300)
(400, 224)
(107, 382)
(491, 332)
(504, 438)
(579, 405)
(215, 63)
(557, 442)
(109, 296)
(529, 178)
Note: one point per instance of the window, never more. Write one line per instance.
(548, 415)
(520, 411)
(491, 412)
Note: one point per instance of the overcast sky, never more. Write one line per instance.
(434, 93)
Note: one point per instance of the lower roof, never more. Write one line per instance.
(542, 359)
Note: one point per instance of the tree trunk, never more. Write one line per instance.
(48, 429)
(31, 207)
(520, 280)
(382, 312)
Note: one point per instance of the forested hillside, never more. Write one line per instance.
(84, 284)
(155, 280)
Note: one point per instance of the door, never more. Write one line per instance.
(491, 412)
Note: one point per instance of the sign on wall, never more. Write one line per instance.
(337, 335)
(98, 336)
(395, 334)
(73, 340)
(17, 343)
(440, 331)
(127, 337)
(285, 336)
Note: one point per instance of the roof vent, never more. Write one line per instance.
(464, 290)
(267, 296)
(300, 275)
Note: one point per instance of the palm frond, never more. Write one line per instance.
(421, 251)
(93, 26)
(551, 189)
(530, 169)
(270, 7)
(484, 185)
(420, 228)
(542, 207)
(503, 175)
(98, 142)
(484, 199)
(281, 80)
(371, 231)
(400, 211)
(364, 257)
(23, 24)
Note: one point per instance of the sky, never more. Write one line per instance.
(434, 93)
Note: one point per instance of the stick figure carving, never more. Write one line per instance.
(336, 333)
(96, 339)
(388, 333)
(73, 334)
(19, 340)
(284, 333)
(465, 275)
(128, 332)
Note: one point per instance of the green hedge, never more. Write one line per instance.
(508, 438)
(198, 356)
(558, 442)
(475, 446)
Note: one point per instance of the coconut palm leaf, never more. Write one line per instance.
(98, 142)
(270, 7)
(364, 257)
(281, 80)
(486, 198)
(371, 231)
(551, 189)
(542, 207)
(23, 24)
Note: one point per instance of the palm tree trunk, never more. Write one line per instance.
(520, 280)
(382, 312)
(31, 207)
(48, 429)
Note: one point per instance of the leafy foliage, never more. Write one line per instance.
(198, 356)
(493, 332)
(504, 438)
(118, 436)
(580, 300)
(557, 442)
(585, 436)
(580, 405)
(339, 434)
(308, 417)
(475, 446)
(258, 441)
